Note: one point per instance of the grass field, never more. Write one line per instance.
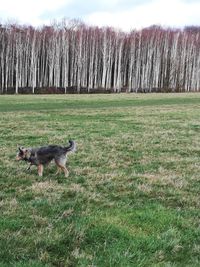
(132, 196)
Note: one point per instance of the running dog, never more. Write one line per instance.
(44, 155)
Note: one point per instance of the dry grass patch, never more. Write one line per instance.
(46, 187)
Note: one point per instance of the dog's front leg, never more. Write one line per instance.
(29, 167)
(40, 169)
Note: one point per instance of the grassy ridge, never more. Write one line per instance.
(132, 196)
(41, 102)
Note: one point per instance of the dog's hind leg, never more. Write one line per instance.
(40, 169)
(61, 164)
(65, 170)
(58, 170)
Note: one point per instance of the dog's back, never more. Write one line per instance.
(45, 154)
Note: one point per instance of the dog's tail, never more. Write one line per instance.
(71, 147)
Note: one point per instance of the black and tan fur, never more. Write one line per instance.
(44, 155)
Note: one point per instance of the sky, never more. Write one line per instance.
(121, 14)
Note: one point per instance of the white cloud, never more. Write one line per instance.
(26, 11)
(123, 14)
(173, 13)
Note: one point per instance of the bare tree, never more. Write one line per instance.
(72, 54)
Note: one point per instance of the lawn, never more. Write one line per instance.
(132, 196)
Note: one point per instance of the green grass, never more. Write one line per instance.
(132, 196)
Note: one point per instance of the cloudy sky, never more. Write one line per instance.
(122, 14)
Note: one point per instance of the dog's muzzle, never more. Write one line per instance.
(18, 158)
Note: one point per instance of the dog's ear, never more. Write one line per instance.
(20, 149)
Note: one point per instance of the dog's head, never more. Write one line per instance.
(22, 154)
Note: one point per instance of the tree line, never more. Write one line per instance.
(71, 54)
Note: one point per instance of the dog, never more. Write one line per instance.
(44, 155)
